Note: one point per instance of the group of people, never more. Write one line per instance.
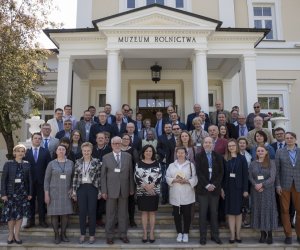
(109, 163)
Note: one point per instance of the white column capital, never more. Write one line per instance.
(112, 51)
(248, 57)
(200, 51)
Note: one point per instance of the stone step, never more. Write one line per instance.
(41, 243)
(161, 232)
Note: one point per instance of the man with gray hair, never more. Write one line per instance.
(116, 186)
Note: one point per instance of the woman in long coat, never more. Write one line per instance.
(58, 188)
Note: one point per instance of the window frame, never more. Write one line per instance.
(276, 15)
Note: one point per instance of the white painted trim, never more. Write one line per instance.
(278, 16)
(227, 13)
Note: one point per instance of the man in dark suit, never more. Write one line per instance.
(119, 127)
(288, 183)
(213, 117)
(232, 133)
(241, 128)
(38, 157)
(165, 149)
(110, 118)
(66, 132)
(210, 170)
(175, 120)
(100, 127)
(159, 125)
(84, 126)
(116, 185)
(279, 136)
(136, 142)
(205, 120)
(190, 117)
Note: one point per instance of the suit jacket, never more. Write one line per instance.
(237, 130)
(117, 184)
(81, 127)
(213, 117)
(158, 133)
(190, 118)
(137, 143)
(61, 134)
(96, 128)
(166, 148)
(142, 133)
(232, 132)
(52, 145)
(54, 127)
(181, 125)
(38, 168)
(8, 178)
(274, 145)
(112, 118)
(117, 131)
(286, 174)
(203, 174)
(206, 125)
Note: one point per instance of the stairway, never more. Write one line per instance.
(37, 238)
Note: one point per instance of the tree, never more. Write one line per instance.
(21, 67)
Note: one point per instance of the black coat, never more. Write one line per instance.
(203, 174)
(9, 174)
(166, 148)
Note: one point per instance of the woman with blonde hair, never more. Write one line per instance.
(262, 173)
(16, 191)
(198, 134)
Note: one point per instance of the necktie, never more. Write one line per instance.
(242, 131)
(46, 143)
(280, 145)
(131, 139)
(35, 154)
(209, 164)
(118, 160)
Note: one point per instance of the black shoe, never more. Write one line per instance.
(263, 236)
(231, 241)
(19, 242)
(270, 238)
(144, 240)
(288, 240)
(133, 224)
(43, 224)
(203, 241)
(238, 241)
(64, 238)
(298, 239)
(57, 238)
(151, 241)
(217, 240)
(164, 202)
(10, 241)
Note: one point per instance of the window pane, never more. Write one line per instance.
(257, 11)
(273, 102)
(142, 103)
(270, 35)
(267, 11)
(179, 4)
(257, 24)
(210, 100)
(130, 3)
(150, 2)
(268, 24)
(263, 102)
(102, 100)
(160, 2)
(151, 102)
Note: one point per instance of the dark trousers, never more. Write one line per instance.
(39, 195)
(185, 212)
(100, 209)
(87, 201)
(131, 207)
(209, 203)
(164, 185)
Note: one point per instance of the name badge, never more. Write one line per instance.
(198, 144)
(84, 179)
(63, 176)
(17, 180)
(260, 177)
(117, 170)
(210, 170)
(232, 175)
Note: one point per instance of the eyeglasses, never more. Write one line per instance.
(279, 134)
(68, 123)
(116, 143)
(126, 139)
(256, 107)
(126, 110)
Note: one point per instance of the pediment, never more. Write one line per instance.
(160, 17)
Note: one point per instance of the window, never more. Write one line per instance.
(155, 1)
(179, 4)
(264, 18)
(130, 4)
(46, 109)
(266, 14)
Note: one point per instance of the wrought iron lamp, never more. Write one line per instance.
(155, 73)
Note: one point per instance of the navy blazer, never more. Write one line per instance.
(240, 168)
(96, 128)
(38, 168)
(113, 119)
(137, 143)
(203, 174)
(61, 134)
(116, 131)
(9, 174)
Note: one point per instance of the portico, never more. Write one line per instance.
(198, 58)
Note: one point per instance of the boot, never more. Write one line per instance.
(263, 236)
(54, 222)
(64, 224)
(270, 238)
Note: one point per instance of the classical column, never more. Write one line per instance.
(249, 81)
(113, 80)
(200, 84)
(64, 81)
